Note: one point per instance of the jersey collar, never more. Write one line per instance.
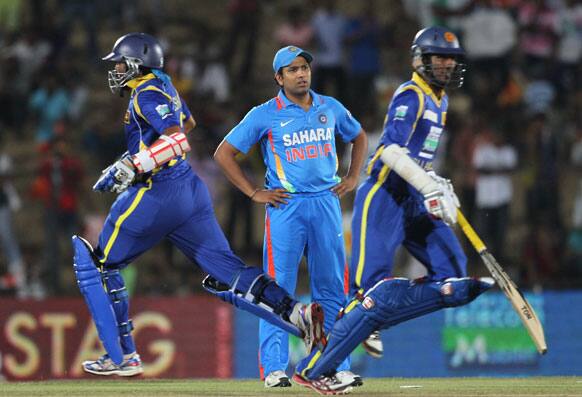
(423, 85)
(133, 84)
(283, 101)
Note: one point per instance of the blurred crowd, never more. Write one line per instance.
(513, 142)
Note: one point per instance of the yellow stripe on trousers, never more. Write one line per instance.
(311, 363)
(361, 260)
(122, 218)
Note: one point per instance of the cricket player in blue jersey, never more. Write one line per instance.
(161, 197)
(402, 202)
(296, 132)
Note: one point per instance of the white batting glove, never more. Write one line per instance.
(441, 204)
(445, 184)
(116, 178)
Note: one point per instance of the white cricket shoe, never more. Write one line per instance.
(105, 366)
(348, 377)
(277, 379)
(373, 345)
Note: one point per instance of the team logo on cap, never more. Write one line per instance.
(293, 49)
(322, 118)
(450, 37)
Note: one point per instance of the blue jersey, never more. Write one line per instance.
(154, 106)
(415, 120)
(298, 146)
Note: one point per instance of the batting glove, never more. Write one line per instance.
(116, 178)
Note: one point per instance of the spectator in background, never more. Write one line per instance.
(85, 12)
(49, 104)
(541, 157)
(213, 78)
(329, 26)
(11, 16)
(57, 185)
(15, 278)
(295, 29)
(542, 255)
(245, 21)
(490, 34)
(362, 38)
(569, 54)
(573, 255)
(538, 36)
(495, 160)
(30, 50)
(462, 152)
(12, 99)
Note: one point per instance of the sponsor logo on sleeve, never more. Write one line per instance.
(400, 113)
(163, 110)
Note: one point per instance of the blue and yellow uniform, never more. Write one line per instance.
(388, 211)
(299, 153)
(172, 202)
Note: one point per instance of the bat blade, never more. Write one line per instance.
(520, 304)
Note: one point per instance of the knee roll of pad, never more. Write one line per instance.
(393, 301)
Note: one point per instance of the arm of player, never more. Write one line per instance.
(359, 150)
(189, 124)
(170, 144)
(225, 156)
(120, 175)
(438, 200)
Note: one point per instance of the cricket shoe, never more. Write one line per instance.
(373, 345)
(105, 366)
(325, 385)
(277, 379)
(309, 319)
(348, 377)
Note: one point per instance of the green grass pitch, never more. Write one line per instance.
(402, 387)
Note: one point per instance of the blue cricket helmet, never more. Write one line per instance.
(136, 50)
(436, 40)
(142, 46)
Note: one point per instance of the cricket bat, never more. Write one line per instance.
(526, 313)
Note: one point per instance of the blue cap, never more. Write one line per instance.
(286, 55)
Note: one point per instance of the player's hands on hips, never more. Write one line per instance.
(273, 197)
(347, 184)
(117, 177)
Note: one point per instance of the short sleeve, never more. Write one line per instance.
(401, 118)
(246, 133)
(157, 110)
(346, 125)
